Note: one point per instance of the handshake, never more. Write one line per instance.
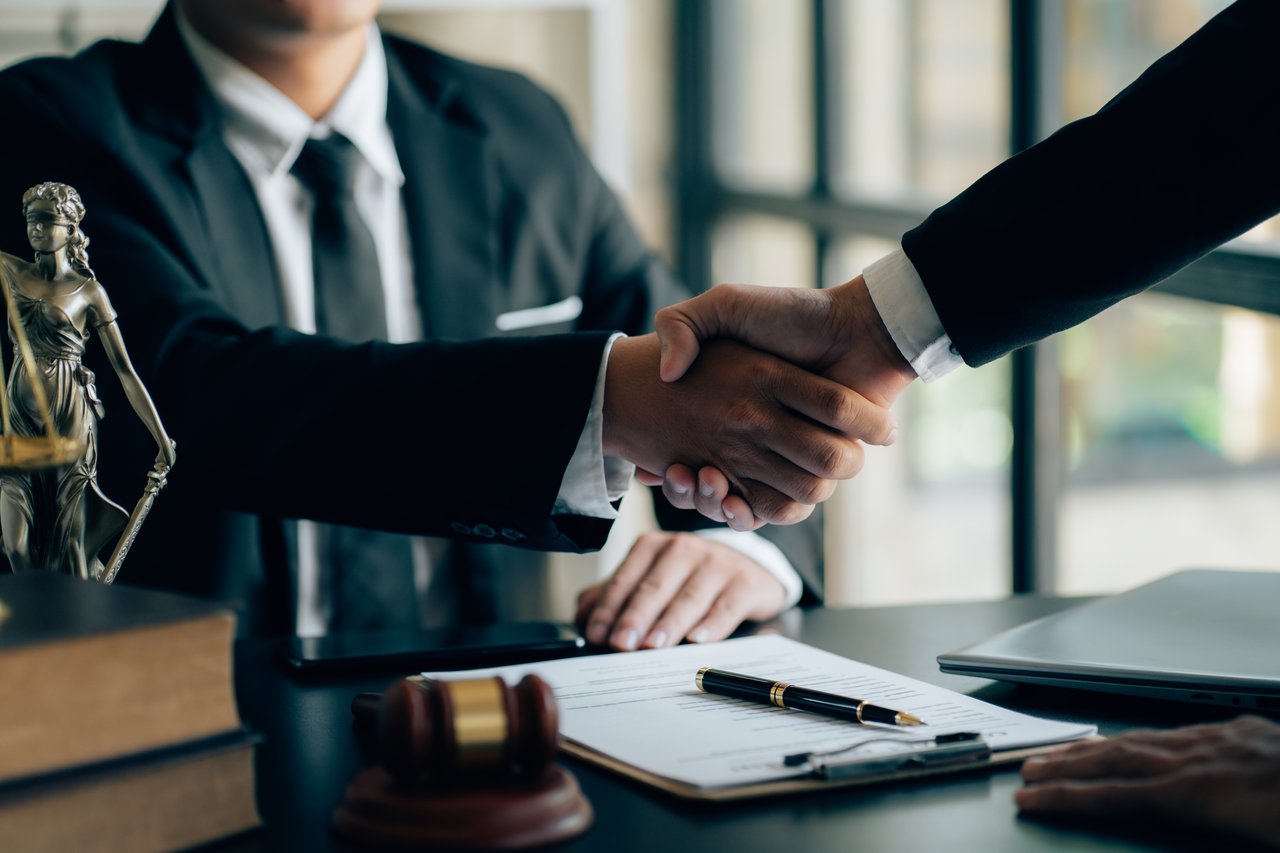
(762, 398)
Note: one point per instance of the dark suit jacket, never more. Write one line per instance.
(1179, 162)
(465, 439)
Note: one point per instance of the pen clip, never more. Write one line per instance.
(944, 751)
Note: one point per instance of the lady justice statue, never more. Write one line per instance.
(52, 514)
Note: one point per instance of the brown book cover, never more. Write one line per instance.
(93, 672)
(167, 799)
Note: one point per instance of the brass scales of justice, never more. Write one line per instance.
(30, 453)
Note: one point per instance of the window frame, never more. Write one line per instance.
(1232, 275)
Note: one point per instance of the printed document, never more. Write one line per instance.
(643, 709)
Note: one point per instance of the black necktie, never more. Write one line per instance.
(349, 303)
(367, 574)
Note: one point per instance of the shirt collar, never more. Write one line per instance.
(272, 129)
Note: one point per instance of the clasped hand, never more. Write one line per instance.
(836, 334)
(780, 434)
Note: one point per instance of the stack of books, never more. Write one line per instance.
(119, 728)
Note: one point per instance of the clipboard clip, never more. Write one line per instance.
(949, 750)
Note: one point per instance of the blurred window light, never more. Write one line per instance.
(925, 85)
(1171, 409)
(762, 98)
(927, 518)
(757, 249)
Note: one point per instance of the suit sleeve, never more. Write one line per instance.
(415, 438)
(1179, 162)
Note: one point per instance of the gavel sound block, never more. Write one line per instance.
(466, 765)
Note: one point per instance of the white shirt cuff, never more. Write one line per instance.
(904, 305)
(592, 481)
(766, 554)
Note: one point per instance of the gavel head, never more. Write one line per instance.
(442, 731)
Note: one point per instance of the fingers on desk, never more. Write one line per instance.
(1159, 796)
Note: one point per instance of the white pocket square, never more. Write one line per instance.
(541, 315)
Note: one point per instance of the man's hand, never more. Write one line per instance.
(677, 586)
(781, 435)
(1225, 776)
(835, 332)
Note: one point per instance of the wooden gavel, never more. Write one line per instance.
(464, 765)
(483, 729)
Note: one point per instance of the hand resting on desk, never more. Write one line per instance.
(674, 586)
(1225, 776)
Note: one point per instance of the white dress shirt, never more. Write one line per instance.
(908, 313)
(265, 131)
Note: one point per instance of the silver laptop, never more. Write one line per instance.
(1197, 635)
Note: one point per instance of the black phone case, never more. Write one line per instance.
(442, 649)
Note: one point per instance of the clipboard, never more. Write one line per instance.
(641, 716)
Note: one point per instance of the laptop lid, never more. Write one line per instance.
(1198, 635)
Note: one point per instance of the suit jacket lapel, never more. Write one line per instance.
(206, 183)
(237, 235)
(449, 198)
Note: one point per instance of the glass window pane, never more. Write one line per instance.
(928, 518)
(1172, 442)
(1109, 43)
(750, 249)
(925, 99)
(762, 103)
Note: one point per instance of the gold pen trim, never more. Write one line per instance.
(861, 705)
(776, 693)
(697, 679)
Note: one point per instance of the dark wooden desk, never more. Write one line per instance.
(310, 752)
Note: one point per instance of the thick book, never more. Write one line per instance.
(167, 799)
(94, 672)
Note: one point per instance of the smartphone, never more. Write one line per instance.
(464, 647)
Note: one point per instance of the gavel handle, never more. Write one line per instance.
(365, 707)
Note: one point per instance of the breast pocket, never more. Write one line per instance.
(540, 318)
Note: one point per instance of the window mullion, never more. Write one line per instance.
(1035, 84)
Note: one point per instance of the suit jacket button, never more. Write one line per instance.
(460, 528)
(513, 535)
(484, 530)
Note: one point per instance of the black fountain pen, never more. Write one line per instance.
(786, 695)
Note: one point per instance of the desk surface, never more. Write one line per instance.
(310, 752)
